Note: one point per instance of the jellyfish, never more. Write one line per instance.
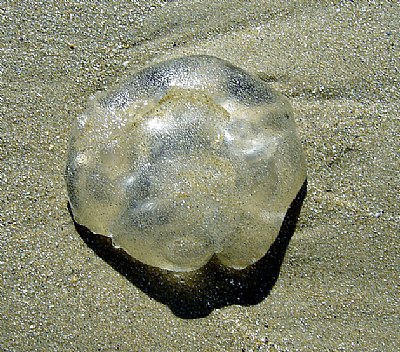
(187, 159)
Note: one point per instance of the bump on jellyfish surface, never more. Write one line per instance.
(187, 159)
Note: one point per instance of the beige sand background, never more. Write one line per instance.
(337, 61)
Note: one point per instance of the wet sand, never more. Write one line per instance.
(337, 286)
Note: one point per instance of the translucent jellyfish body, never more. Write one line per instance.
(187, 159)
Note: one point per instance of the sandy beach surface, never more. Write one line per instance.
(338, 286)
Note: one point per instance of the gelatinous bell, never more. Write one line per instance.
(187, 159)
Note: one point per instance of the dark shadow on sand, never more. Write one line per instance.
(196, 294)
